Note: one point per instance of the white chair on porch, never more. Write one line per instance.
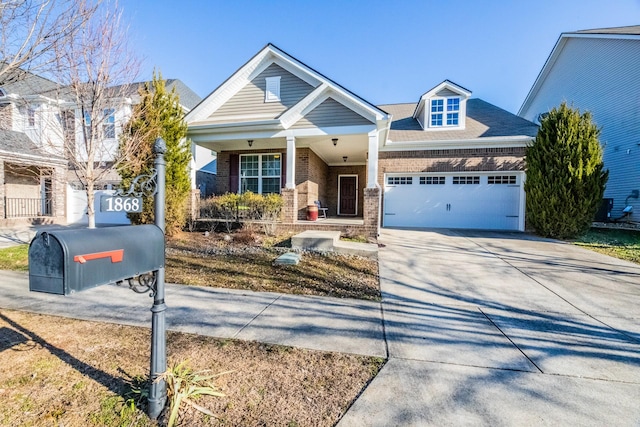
(321, 211)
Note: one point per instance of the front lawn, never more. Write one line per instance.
(623, 244)
(56, 371)
(245, 261)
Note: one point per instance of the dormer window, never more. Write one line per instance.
(440, 117)
(272, 92)
(444, 107)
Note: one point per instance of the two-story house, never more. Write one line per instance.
(448, 160)
(41, 131)
(598, 71)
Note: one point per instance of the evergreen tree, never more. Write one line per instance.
(565, 174)
(159, 115)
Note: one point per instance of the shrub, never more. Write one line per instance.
(565, 176)
(235, 208)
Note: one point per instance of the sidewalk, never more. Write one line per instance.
(23, 234)
(317, 323)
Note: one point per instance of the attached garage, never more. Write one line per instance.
(480, 200)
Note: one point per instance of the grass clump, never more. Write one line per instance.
(623, 244)
(15, 258)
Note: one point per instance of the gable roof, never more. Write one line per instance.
(322, 86)
(483, 121)
(629, 33)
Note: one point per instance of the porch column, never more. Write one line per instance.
(291, 163)
(372, 165)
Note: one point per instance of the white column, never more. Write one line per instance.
(372, 166)
(192, 166)
(291, 162)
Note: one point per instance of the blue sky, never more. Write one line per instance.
(384, 51)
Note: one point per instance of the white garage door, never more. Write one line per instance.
(488, 201)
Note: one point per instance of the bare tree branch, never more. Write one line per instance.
(32, 30)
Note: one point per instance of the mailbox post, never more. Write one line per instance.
(158, 387)
(67, 261)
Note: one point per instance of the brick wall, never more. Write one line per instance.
(222, 179)
(459, 160)
(311, 179)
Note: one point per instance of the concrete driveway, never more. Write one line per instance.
(503, 329)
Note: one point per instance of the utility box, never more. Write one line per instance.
(67, 261)
(604, 211)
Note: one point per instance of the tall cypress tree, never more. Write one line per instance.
(159, 115)
(565, 174)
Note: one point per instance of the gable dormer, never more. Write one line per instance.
(443, 108)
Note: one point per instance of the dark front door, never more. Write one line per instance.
(348, 195)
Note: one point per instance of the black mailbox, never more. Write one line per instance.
(68, 261)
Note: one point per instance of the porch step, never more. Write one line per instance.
(369, 250)
(315, 240)
(329, 241)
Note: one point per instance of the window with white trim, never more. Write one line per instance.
(31, 117)
(400, 180)
(260, 173)
(501, 179)
(432, 180)
(109, 123)
(445, 112)
(272, 92)
(466, 180)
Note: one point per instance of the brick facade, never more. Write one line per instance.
(459, 160)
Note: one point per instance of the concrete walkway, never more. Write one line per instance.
(479, 328)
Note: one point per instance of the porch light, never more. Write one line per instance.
(335, 141)
(250, 141)
(344, 158)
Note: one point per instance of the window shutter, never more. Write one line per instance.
(234, 167)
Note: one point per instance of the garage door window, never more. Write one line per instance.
(432, 180)
(400, 180)
(502, 179)
(466, 180)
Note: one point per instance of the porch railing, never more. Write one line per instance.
(21, 207)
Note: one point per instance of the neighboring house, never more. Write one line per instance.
(206, 177)
(279, 126)
(32, 179)
(599, 71)
(37, 182)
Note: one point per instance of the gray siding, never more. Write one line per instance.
(330, 113)
(447, 92)
(250, 99)
(602, 76)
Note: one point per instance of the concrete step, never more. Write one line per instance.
(315, 240)
(329, 241)
(369, 250)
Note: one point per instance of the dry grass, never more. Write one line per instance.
(244, 261)
(58, 371)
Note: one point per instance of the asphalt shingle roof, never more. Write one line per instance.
(483, 120)
(28, 84)
(629, 30)
(20, 143)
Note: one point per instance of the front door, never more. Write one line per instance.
(348, 195)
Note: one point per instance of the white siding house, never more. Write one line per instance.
(599, 71)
